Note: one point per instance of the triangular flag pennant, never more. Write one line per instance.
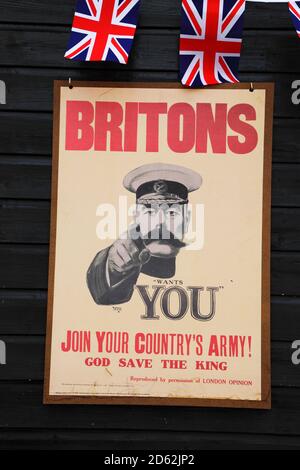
(210, 41)
(294, 8)
(103, 30)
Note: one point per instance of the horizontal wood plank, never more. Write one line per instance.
(41, 46)
(26, 133)
(286, 185)
(24, 312)
(24, 221)
(285, 229)
(286, 140)
(23, 266)
(153, 13)
(21, 407)
(25, 177)
(142, 440)
(285, 273)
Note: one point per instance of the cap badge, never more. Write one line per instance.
(160, 187)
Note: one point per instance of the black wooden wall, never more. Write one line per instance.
(33, 37)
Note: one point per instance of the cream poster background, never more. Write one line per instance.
(232, 193)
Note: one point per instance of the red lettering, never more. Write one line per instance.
(152, 111)
(109, 117)
(204, 128)
(79, 132)
(181, 127)
(130, 127)
(243, 128)
(139, 347)
(211, 126)
(97, 361)
(140, 363)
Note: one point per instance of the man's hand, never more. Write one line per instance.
(124, 255)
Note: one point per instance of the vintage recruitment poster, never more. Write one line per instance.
(159, 259)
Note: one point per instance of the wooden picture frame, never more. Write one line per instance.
(265, 402)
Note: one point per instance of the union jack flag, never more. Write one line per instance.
(103, 30)
(210, 41)
(294, 8)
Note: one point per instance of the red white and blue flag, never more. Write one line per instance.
(210, 41)
(294, 8)
(103, 30)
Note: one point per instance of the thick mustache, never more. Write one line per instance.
(162, 233)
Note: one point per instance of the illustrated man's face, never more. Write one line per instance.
(163, 227)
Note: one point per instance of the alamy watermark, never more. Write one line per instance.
(296, 354)
(2, 353)
(2, 92)
(296, 94)
(161, 220)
